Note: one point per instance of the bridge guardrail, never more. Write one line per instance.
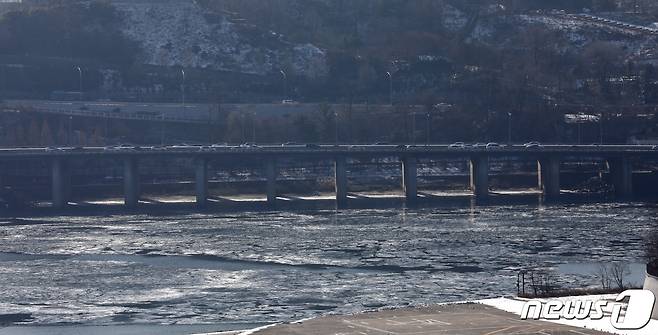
(112, 115)
(328, 151)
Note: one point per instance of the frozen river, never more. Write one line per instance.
(236, 270)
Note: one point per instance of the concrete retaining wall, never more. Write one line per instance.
(651, 284)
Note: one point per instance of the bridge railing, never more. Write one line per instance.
(113, 115)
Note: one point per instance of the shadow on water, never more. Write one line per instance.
(8, 319)
(211, 262)
(126, 329)
(291, 204)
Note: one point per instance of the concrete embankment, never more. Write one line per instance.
(483, 317)
(454, 319)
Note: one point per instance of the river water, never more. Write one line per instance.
(262, 267)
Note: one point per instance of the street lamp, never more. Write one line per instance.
(413, 127)
(243, 132)
(253, 129)
(336, 126)
(162, 128)
(579, 122)
(287, 127)
(80, 80)
(601, 130)
(182, 71)
(285, 84)
(69, 139)
(509, 128)
(390, 88)
(429, 130)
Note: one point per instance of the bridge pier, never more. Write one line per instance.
(271, 173)
(201, 182)
(341, 181)
(480, 176)
(549, 177)
(410, 178)
(131, 187)
(621, 170)
(61, 183)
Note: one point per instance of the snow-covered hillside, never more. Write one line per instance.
(181, 33)
(639, 44)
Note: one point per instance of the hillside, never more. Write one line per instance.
(181, 33)
(323, 45)
(483, 59)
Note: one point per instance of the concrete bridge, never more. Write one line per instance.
(620, 159)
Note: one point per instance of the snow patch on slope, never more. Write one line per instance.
(181, 33)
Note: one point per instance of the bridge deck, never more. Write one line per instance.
(336, 150)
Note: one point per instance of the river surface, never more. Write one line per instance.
(254, 268)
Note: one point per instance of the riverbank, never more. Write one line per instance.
(456, 319)
(122, 329)
(489, 316)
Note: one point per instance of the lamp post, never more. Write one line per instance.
(182, 71)
(336, 127)
(69, 139)
(428, 128)
(287, 126)
(509, 128)
(285, 84)
(413, 127)
(390, 87)
(80, 80)
(579, 121)
(253, 129)
(243, 132)
(601, 130)
(162, 129)
(3, 79)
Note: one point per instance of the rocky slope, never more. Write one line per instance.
(574, 31)
(181, 33)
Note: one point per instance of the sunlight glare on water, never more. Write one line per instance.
(251, 268)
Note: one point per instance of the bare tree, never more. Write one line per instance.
(614, 273)
(604, 276)
(652, 253)
(619, 272)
